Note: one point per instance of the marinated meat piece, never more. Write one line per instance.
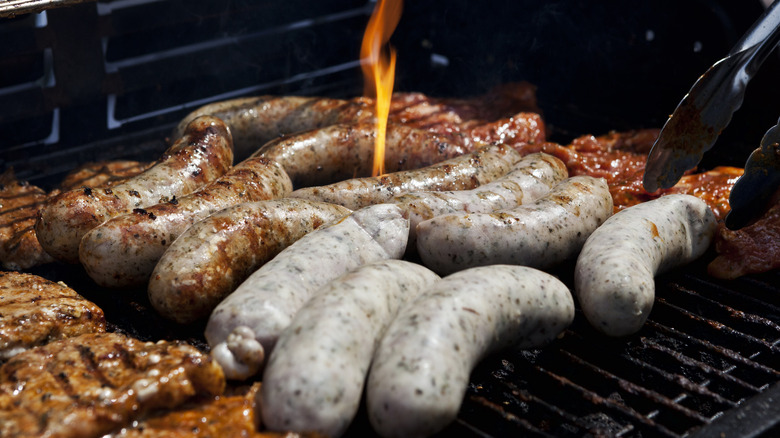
(620, 157)
(20, 203)
(750, 250)
(102, 173)
(35, 311)
(93, 384)
(220, 416)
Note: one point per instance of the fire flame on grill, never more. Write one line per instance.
(378, 64)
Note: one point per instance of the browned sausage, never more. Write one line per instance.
(257, 120)
(460, 173)
(124, 250)
(212, 257)
(200, 156)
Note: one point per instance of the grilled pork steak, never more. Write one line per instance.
(35, 311)
(19, 206)
(93, 384)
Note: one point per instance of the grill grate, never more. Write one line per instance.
(113, 86)
(707, 350)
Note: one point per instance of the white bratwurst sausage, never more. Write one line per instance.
(421, 368)
(530, 178)
(244, 327)
(314, 378)
(540, 234)
(615, 273)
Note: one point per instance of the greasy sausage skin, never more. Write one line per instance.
(124, 250)
(200, 156)
(315, 375)
(215, 255)
(338, 152)
(257, 120)
(460, 173)
(244, 327)
(420, 370)
(540, 234)
(530, 178)
(614, 278)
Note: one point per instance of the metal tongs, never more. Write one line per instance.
(707, 109)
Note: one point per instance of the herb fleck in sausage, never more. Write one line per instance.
(420, 371)
(315, 375)
(244, 327)
(540, 234)
(615, 272)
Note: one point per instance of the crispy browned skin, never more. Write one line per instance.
(200, 156)
(215, 255)
(20, 203)
(102, 173)
(35, 311)
(91, 384)
(257, 120)
(224, 416)
(464, 172)
(124, 250)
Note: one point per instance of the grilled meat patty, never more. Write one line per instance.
(93, 384)
(35, 311)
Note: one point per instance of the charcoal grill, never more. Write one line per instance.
(107, 80)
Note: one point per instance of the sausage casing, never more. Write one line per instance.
(215, 255)
(245, 325)
(540, 234)
(530, 178)
(314, 378)
(460, 173)
(201, 155)
(420, 371)
(253, 121)
(614, 277)
(124, 250)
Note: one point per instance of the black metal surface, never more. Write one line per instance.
(708, 356)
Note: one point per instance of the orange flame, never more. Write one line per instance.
(378, 63)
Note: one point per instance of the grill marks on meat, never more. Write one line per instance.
(20, 203)
(35, 311)
(92, 384)
(227, 416)
(102, 173)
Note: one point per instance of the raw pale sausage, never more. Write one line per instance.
(615, 273)
(420, 371)
(244, 327)
(540, 234)
(315, 375)
(212, 257)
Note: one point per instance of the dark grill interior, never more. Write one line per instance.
(108, 80)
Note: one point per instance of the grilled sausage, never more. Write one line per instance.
(344, 151)
(253, 121)
(124, 250)
(212, 257)
(200, 156)
(614, 276)
(539, 234)
(530, 178)
(460, 173)
(314, 377)
(421, 368)
(244, 327)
